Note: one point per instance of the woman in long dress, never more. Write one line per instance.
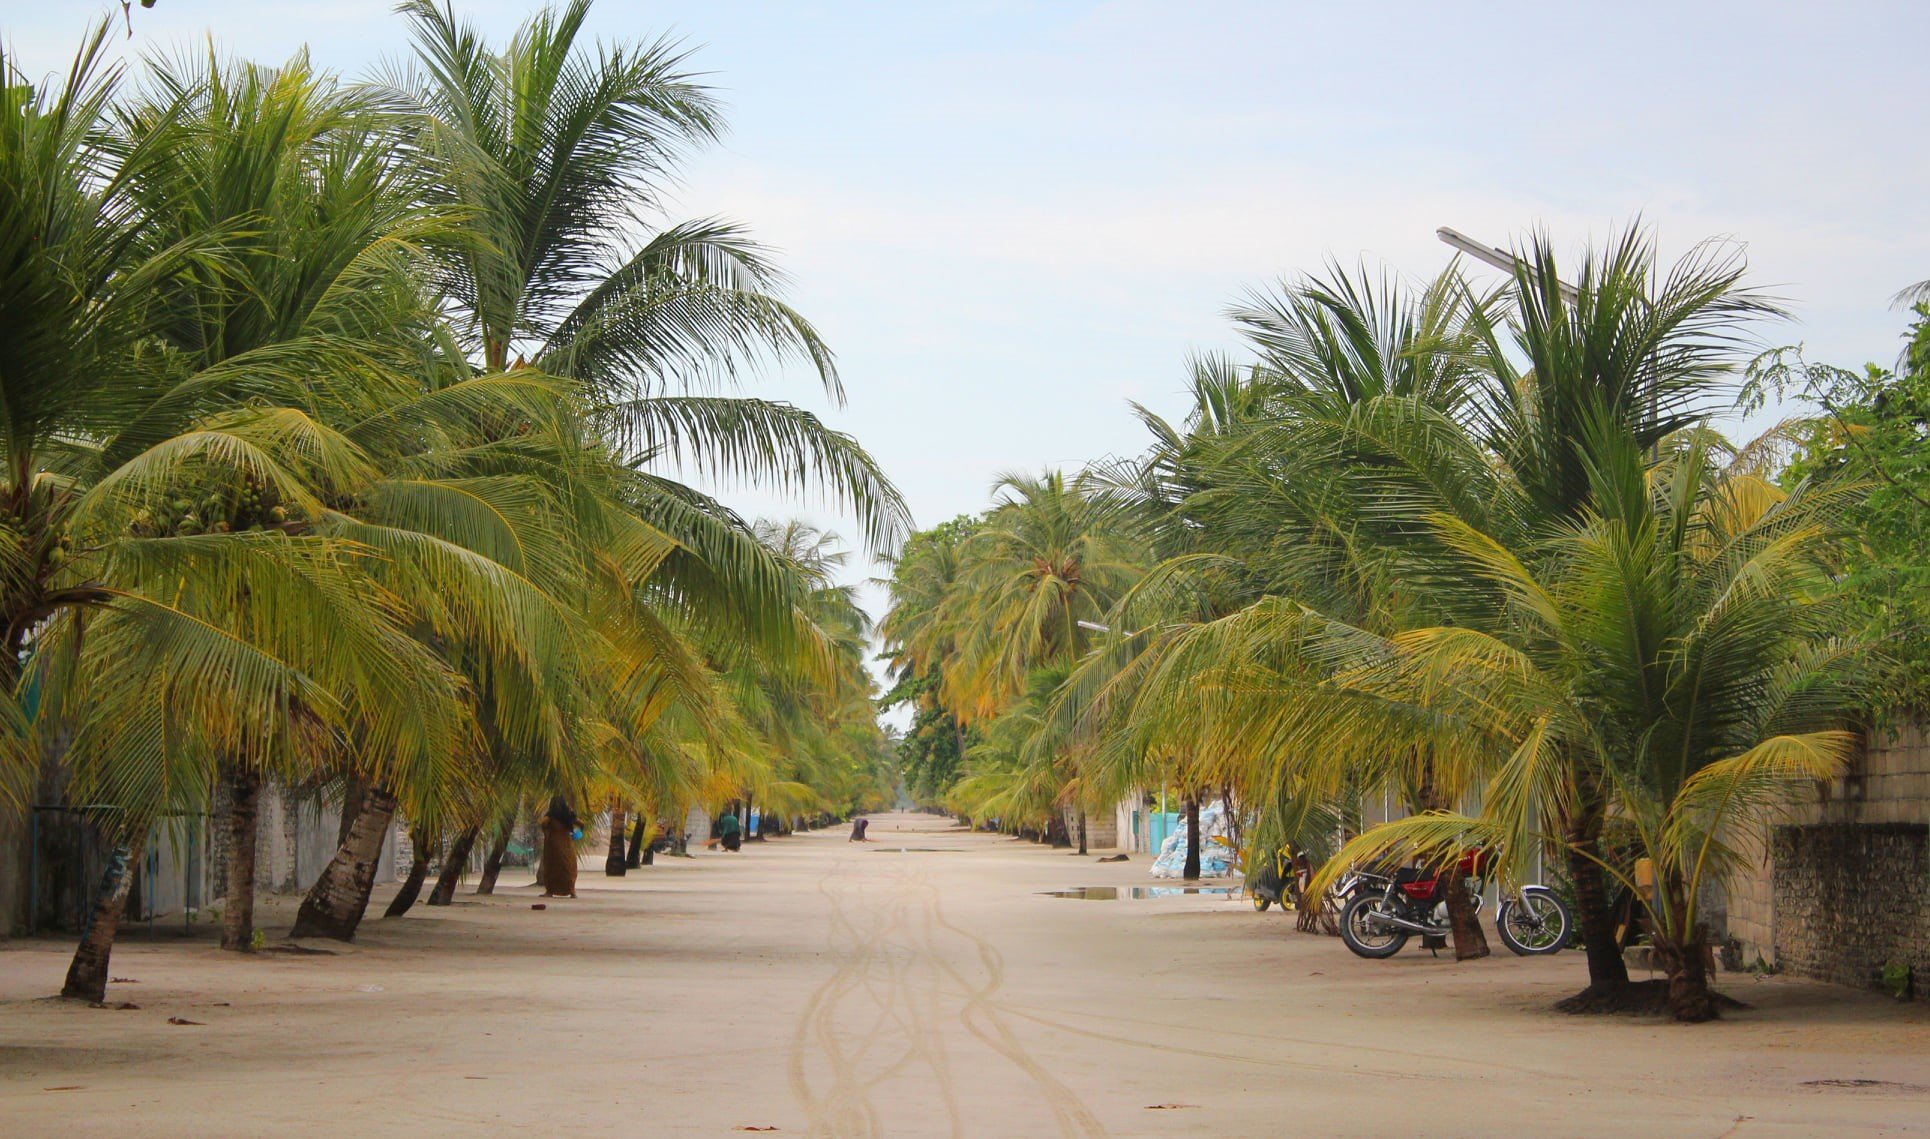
(559, 850)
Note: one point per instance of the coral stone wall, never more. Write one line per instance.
(1844, 885)
(1851, 898)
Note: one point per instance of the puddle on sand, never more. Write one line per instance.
(916, 850)
(1138, 893)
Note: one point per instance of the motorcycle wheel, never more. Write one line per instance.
(1366, 937)
(1260, 904)
(1534, 924)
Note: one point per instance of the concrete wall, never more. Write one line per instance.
(1102, 828)
(1841, 884)
(1129, 823)
(696, 825)
(174, 879)
(294, 840)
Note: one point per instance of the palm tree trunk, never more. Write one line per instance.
(1607, 972)
(353, 788)
(614, 865)
(635, 858)
(339, 898)
(1470, 941)
(420, 842)
(493, 861)
(244, 815)
(1082, 829)
(1687, 968)
(454, 866)
(87, 976)
(1234, 835)
(1192, 870)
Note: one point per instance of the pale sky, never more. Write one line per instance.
(1009, 219)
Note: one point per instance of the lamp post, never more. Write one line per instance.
(1493, 255)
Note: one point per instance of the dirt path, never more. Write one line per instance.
(920, 985)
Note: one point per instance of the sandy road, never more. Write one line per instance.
(906, 977)
(920, 985)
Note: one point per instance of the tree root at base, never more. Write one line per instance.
(1637, 998)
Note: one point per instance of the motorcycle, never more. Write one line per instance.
(1383, 910)
(1272, 882)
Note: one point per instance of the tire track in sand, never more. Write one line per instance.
(894, 976)
(984, 1018)
(875, 963)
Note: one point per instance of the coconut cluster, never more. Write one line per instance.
(222, 510)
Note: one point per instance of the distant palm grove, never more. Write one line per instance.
(1479, 552)
(342, 428)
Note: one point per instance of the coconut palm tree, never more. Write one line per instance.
(1204, 571)
(1621, 360)
(1690, 652)
(556, 152)
(297, 173)
(546, 151)
(1049, 561)
(204, 638)
(1387, 418)
(1251, 500)
(305, 536)
(920, 646)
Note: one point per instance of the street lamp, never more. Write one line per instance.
(1493, 255)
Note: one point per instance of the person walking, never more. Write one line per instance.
(560, 832)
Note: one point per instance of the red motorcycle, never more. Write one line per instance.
(1384, 910)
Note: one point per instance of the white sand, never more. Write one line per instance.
(828, 989)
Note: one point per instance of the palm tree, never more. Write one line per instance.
(1047, 564)
(545, 151)
(297, 174)
(1251, 499)
(310, 541)
(236, 637)
(1204, 572)
(554, 153)
(1388, 422)
(921, 645)
(1049, 555)
(1620, 362)
(814, 708)
(1690, 652)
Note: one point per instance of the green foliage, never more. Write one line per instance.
(1874, 427)
(988, 616)
(266, 448)
(931, 753)
(1451, 549)
(1898, 979)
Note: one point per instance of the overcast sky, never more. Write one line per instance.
(1009, 219)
